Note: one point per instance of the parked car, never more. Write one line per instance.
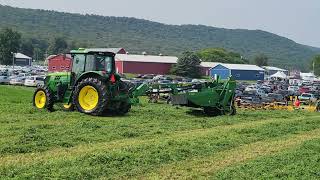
(293, 88)
(261, 93)
(275, 97)
(307, 97)
(4, 80)
(316, 94)
(304, 90)
(148, 76)
(33, 81)
(250, 100)
(251, 88)
(17, 81)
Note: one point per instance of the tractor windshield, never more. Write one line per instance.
(104, 63)
(99, 63)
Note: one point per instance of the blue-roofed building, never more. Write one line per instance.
(246, 72)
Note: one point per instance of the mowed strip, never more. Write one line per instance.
(74, 152)
(206, 167)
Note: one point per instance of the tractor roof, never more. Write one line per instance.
(90, 50)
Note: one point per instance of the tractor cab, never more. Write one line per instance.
(99, 60)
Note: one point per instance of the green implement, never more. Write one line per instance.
(215, 98)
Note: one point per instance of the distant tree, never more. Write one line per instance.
(9, 42)
(58, 45)
(261, 60)
(220, 55)
(76, 45)
(27, 47)
(316, 65)
(40, 49)
(187, 65)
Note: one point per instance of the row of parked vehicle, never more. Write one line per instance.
(24, 76)
(161, 79)
(22, 80)
(279, 91)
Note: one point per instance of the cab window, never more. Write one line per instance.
(90, 63)
(78, 63)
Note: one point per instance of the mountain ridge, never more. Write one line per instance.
(138, 35)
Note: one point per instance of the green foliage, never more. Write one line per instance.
(261, 60)
(220, 55)
(140, 35)
(152, 140)
(9, 43)
(316, 65)
(58, 45)
(27, 47)
(187, 65)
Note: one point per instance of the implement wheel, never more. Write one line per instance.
(90, 96)
(212, 111)
(43, 98)
(124, 108)
(232, 111)
(68, 107)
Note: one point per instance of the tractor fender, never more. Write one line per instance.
(91, 74)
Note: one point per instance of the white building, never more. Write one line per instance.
(307, 76)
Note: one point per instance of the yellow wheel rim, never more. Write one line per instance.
(88, 98)
(40, 99)
(67, 106)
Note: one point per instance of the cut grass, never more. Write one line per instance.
(301, 162)
(153, 140)
(208, 166)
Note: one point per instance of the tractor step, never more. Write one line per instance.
(66, 96)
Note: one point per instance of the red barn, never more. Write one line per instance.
(59, 63)
(144, 64)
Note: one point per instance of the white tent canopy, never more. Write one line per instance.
(280, 75)
(21, 56)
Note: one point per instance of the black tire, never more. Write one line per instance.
(212, 111)
(232, 111)
(124, 108)
(49, 98)
(100, 87)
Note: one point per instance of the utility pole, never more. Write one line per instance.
(313, 65)
(13, 54)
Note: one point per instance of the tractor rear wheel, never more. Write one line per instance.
(90, 96)
(43, 98)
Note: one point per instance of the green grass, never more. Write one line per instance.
(154, 141)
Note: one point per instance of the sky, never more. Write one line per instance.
(295, 19)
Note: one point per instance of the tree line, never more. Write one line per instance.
(188, 63)
(12, 41)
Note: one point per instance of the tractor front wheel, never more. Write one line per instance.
(43, 98)
(90, 96)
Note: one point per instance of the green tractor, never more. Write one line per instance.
(92, 87)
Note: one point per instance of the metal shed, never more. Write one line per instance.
(22, 60)
(238, 71)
